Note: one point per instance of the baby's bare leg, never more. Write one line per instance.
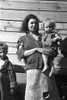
(45, 60)
(51, 72)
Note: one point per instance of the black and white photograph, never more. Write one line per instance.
(33, 49)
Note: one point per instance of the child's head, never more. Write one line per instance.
(3, 50)
(49, 25)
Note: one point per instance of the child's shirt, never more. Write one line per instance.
(6, 67)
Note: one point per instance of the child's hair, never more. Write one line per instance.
(3, 47)
(51, 22)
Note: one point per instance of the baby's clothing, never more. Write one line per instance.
(50, 41)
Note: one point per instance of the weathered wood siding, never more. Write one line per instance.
(13, 12)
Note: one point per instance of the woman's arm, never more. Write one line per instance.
(24, 53)
(46, 51)
(40, 50)
(29, 52)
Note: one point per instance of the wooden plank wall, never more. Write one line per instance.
(13, 12)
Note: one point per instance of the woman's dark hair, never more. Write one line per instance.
(24, 27)
(63, 47)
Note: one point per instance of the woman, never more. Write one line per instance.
(30, 48)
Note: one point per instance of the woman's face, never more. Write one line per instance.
(32, 25)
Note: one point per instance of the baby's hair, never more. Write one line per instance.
(52, 23)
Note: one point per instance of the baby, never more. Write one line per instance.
(51, 40)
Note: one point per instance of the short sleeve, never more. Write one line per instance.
(20, 47)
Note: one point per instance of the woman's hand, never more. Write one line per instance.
(46, 51)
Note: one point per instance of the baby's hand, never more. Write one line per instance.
(39, 50)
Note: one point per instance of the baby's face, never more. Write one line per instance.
(48, 28)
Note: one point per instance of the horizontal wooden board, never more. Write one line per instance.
(14, 10)
(19, 5)
(39, 5)
(14, 59)
(35, 0)
(10, 25)
(10, 36)
(12, 50)
(42, 15)
(23, 0)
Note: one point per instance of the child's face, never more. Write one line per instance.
(2, 54)
(47, 27)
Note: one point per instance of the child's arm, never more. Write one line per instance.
(12, 78)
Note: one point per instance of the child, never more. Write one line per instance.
(50, 39)
(7, 74)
